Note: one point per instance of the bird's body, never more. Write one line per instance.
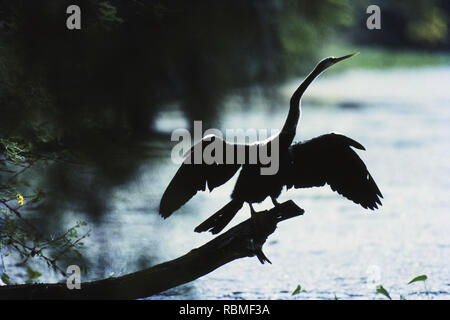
(327, 159)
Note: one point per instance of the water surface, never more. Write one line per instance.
(336, 249)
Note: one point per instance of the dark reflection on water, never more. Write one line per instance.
(332, 249)
(96, 92)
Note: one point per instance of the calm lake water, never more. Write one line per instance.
(336, 249)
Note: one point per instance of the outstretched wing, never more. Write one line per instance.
(329, 159)
(192, 177)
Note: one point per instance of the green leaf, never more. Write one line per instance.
(297, 290)
(32, 274)
(383, 291)
(422, 277)
(5, 278)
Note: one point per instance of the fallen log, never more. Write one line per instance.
(244, 240)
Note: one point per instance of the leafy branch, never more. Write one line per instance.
(18, 235)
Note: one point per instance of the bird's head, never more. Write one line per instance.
(328, 62)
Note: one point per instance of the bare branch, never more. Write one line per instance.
(244, 240)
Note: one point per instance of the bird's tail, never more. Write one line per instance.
(221, 218)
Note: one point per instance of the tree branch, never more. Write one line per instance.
(244, 240)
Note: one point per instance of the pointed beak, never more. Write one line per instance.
(336, 60)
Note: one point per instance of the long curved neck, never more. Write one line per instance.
(293, 116)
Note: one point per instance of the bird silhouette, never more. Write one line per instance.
(327, 159)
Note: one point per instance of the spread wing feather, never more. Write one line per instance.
(192, 177)
(330, 159)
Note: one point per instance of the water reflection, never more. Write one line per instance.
(331, 249)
